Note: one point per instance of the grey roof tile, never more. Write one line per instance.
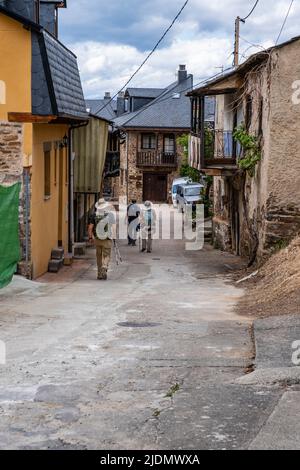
(170, 110)
(108, 112)
(144, 92)
(68, 94)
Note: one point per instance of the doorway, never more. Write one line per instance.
(155, 187)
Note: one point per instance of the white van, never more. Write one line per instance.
(177, 182)
(189, 194)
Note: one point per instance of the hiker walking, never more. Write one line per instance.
(102, 231)
(133, 213)
(148, 220)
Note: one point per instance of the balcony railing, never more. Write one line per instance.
(220, 147)
(156, 159)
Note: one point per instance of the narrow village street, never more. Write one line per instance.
(147, 360)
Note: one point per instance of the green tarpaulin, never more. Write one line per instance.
(9, 232)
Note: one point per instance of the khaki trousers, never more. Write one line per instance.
(147, 242)
(103, 252)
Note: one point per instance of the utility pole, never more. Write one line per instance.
(237, 40)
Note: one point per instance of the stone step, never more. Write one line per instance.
(68, 260)
(79, 249)
(57, 254)
(55, 265)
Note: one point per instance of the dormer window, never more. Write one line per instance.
(37, 11)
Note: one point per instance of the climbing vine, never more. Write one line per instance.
(251, 149)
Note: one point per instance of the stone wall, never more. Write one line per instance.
(11, 159)
(272, 195)
(11, 172)
(135, 175)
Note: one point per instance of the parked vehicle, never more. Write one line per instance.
(189, 194)
(177, 182)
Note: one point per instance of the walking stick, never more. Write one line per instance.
(117, 253)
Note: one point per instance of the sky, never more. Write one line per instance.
(112, 37)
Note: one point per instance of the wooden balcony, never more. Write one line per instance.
(218, 152)
(156, 159)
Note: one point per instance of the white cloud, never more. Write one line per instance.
(202, 39)
(106, 67)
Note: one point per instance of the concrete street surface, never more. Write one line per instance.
(154, 358)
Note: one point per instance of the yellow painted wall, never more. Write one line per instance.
(15, 73)
(44, 212)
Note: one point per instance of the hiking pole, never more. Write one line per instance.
(118, 254)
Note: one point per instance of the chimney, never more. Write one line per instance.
(182, 73)
(107, 95)
(121, 103)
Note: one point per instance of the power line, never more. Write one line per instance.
(284, 22)
(190, 88)
(148, 56)
(249, 14)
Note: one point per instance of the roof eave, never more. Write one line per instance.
(26, 22)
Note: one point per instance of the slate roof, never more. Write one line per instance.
(68, 96)
(109, 112)
(144, 92)
(56, 85)
(170, 110)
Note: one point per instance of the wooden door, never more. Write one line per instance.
(155, 187)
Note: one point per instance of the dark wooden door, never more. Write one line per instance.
(155, 187)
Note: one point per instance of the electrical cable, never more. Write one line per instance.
(148, 56)
(284, 22)
(246, 17)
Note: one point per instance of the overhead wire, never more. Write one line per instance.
(284, 22)
(148, 56)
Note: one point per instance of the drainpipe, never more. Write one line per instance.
(27, 209)
(71, 186)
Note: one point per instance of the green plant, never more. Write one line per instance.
(251, 149)
(280, 245)
(174, 389)
(186, 170)
(208, 143)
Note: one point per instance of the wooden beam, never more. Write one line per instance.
(30, 118)
(219, 171)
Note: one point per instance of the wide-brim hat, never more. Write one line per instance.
(148, 205)
(102, 204)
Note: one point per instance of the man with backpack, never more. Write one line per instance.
(102, 231)
(133, 213)
(148, 220)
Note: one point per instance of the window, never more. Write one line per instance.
(55, 162)
(47, 173)
(37, 11)
(169, 143)
(66, 166)
(148, 141)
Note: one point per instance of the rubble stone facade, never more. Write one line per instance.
(129, 168)
(265, 206)
(12, 172)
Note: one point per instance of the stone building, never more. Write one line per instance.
(41, 100)
(258, 209)
(150, 157)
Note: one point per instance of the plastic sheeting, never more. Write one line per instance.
(9, 232)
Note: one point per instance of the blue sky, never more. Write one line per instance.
(112, 37)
